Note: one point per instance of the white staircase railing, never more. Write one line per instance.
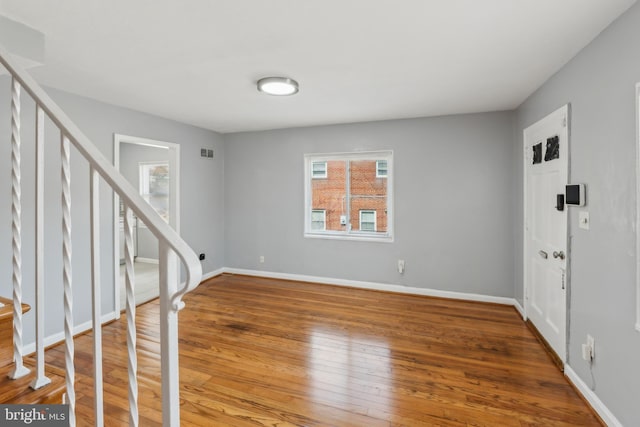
(171, 248)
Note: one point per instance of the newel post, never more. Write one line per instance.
(169, 337)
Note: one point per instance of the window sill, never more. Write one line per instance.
(354, 237)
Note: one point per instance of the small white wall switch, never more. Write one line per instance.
(583, 220)
(401, 266)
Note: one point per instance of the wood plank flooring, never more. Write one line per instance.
(264, 352)
(19, 392)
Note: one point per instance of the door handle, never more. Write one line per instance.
(558, 254)
(543, 254)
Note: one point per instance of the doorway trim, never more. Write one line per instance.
(564, 113)
(174, 197)
(637, 325)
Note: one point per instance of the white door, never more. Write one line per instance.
(546, 174)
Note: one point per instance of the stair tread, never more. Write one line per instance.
(18, 391)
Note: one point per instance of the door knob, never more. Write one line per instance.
(558, 254)
(543, 254)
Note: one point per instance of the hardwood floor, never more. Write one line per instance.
(19, 392)
(264, 352)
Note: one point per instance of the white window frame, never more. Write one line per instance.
(319, 176)
(375, 218)
(378, 174)
(324, 219)
(637, 207)
(348, 233)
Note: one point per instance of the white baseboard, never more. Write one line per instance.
(518, 307)
(214, 273)
(147, 260)
(59, 337)
(78, 329)
(592, 398)
(374, 286)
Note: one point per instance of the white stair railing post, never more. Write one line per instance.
(40, 380)
(131, 317)
(66, 278)
(168, 276)
(94, 190)
(19, 369)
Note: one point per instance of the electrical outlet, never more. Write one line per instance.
(588, 349)
(586, 352)
(401, 266)
(261, 259)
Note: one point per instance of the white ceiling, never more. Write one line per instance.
(197, 61)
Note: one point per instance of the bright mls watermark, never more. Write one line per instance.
(34, 415)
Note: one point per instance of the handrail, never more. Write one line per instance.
(171, 247)
(118, 183)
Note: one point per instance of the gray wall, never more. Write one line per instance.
(453, 213)
(130, 157)
(599, 83)
(202, 191)
(458, 210)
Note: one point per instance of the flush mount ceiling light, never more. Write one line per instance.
(279, 86)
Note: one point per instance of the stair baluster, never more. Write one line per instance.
(66, 278)
(19, 370)
(94, 190)
(40, 380)
(131, 317)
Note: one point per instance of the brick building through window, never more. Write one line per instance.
(349, 195)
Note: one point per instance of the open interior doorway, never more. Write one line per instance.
(151, 167)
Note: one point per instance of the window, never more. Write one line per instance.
(154, 186)
(381, 169)
(367, 220)
(352, 202)
(318, 219)
(319, 169)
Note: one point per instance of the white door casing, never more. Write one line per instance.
(545, 234)
(174, 197)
